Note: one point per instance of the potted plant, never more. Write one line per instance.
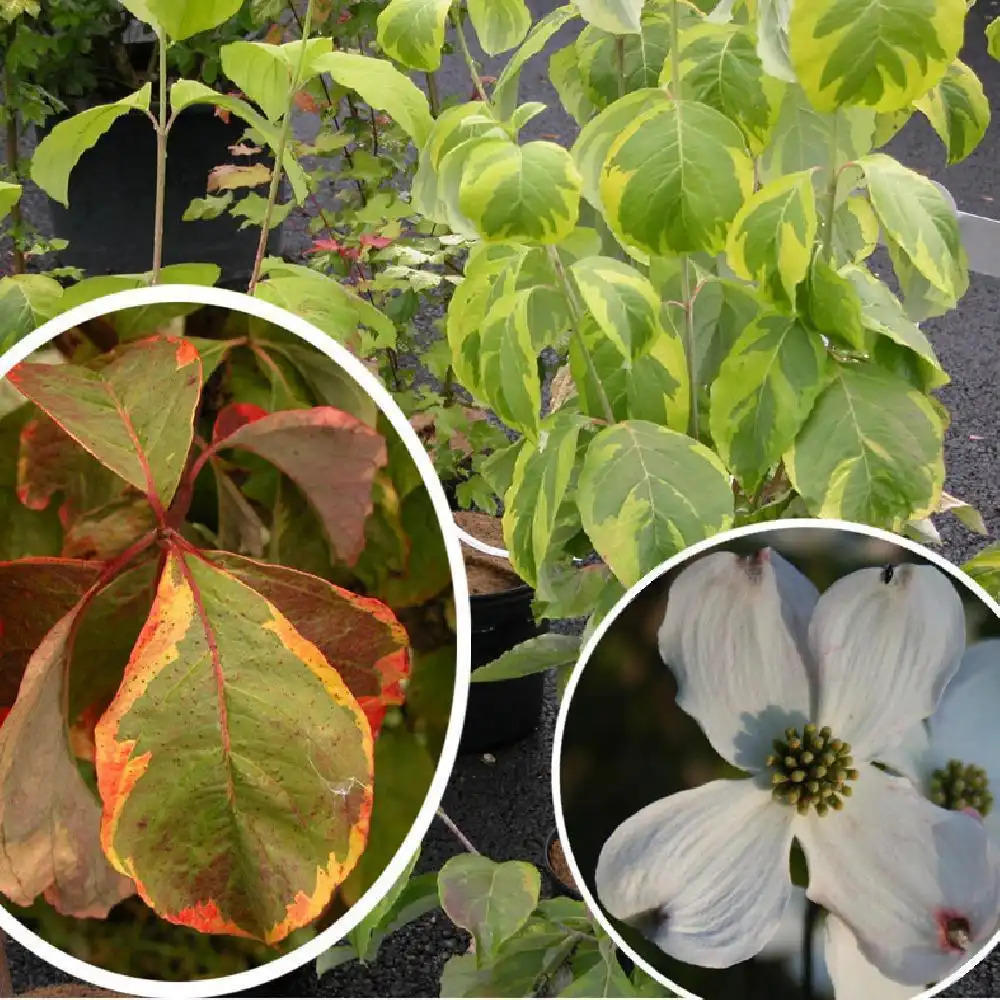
(107, 212)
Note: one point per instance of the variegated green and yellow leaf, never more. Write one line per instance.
(257, 741)
(412, 32)
(772, 237)
(803, 137)
(611, 66)
(883, 315)
(993, 38)
(620, 17)
(505, 92)
(10, 195)
(719, 66)
(564, 72)
(830, 305)
(499, 24)
(920, 225)
(646, 492)
(622, 301)
(597, 137)
(456, 126)
(763, 394)
(675, 178)
(529, 193)
(855, 230)
(542, 476)
(871, 450)
(882, 55)
(469, 305)
(657, 387)
(508, 364)
(958, 110)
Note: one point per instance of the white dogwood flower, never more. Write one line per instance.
(805, 693)
(951, 758)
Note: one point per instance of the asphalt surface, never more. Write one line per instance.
(503, 803)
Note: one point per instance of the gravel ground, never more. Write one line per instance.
(503, 803)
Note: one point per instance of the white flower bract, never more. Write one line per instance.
(758, 653)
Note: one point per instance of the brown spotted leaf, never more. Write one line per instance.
(51, 463)
(359, 636)
(49, 818)
(34, 595)
(108, 530)
(331, 456)
(234, 764)
(135, 415)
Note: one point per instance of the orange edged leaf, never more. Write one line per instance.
(49, 818)
(331, 456)
(108, 530)
(359, 636)
(135, 415)
(34, 595)
(234, 764)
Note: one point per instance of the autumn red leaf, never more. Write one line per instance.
(332, 246)
(359, 636)
(4, 712)
(229, 716)
(49, 818)
(375, 241)
(331, 456)
(305, 101)
(34, 595)
(135, 415)
(234, 416)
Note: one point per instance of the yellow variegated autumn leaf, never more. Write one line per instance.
(227, 716)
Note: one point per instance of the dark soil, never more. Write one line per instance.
(487, 574)
(560, 867)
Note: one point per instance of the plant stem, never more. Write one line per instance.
(433, 95)
(13, 144)
(459, 836)
(279, 154)
(477, 80)
(831, 192)
(620, 61)
(675, 50)
(576, 309)
(161, 161)
(689, 345)
(808, 929)
(6, 986)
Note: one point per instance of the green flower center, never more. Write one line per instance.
(811, 769)
(961, 786)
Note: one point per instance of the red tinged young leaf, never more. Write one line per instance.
(331, 456)
(359, 636)
(49, 818)
(34, 595)
(234, 416)
(135, 415)
(228, 717)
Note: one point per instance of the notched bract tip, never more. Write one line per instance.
(649, 923)
(754, 563)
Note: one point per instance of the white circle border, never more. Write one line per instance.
(285, 964)
(595, 638)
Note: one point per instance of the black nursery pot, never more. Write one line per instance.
(501, 712)
(112, 199)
